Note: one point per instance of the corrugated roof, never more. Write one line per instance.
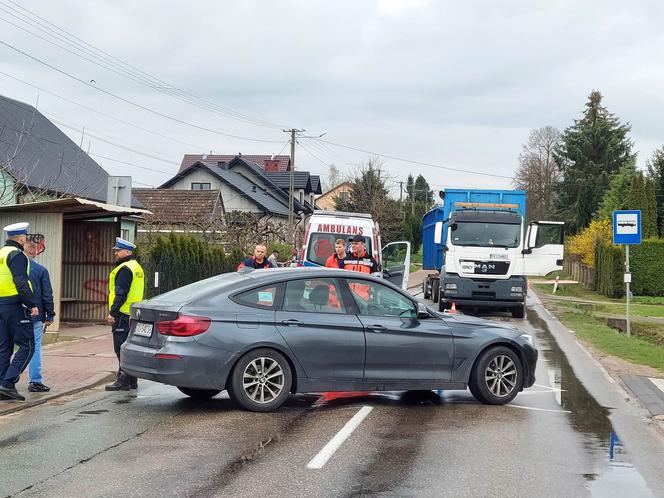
(189, 159)
(282, 179)
(315, 184)
(180, 207)
(36, 153)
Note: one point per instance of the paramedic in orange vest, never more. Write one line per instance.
(360, 260)
(337, 258)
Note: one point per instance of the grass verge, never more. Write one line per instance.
(610, 341)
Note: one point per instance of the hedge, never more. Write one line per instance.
(645, 265)
(182, 259)
(609, 270)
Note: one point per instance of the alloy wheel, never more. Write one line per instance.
(501, 375)
(263, 380)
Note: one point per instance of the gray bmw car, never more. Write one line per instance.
(264, 334)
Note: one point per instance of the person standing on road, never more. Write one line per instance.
(43, 291)
(126, 287)
(337, 258)
(274, 258)
(258, 260)
(359, 259)
(17, 308)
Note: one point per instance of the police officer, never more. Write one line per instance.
(126, 285)
(17, 307)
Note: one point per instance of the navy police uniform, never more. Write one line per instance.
(16, 304)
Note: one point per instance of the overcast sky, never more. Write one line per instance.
(456, 84)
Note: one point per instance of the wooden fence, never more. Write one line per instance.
(584, 274)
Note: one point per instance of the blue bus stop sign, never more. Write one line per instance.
(627, 227)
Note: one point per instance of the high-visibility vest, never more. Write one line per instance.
(137, 285)
(7, 286)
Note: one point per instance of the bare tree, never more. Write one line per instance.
(538, 173)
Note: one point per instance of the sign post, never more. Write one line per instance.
(627, 231)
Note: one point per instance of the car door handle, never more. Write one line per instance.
(291, 321)
(377, 328)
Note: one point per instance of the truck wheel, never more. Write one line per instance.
(425, 288)
(519, 312)
(435, 290)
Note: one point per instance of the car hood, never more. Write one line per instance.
(463, 321)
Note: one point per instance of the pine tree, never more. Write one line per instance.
(655, 166)
(590, 152)
(617, 197)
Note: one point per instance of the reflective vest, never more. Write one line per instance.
(135, 293)
(7, 286)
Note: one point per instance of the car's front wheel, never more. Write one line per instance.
(199, 393)
(497, 376)
(261, 380)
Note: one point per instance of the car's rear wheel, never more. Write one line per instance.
(261, 380)
(497, 376)
(199, 393)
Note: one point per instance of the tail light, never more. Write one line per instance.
(184, 326)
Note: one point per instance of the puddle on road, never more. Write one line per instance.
(614, 474)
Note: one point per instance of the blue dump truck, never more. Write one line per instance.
(483, 249)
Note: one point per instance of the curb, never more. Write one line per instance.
(95, 380)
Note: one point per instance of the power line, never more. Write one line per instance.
(135, 104)
(114, 118)
(127, 70)
(401, 159)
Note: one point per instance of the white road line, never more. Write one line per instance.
(548, 387)
(538, 409)
(658, 382)
(328, 450)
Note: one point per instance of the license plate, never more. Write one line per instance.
(499, 256)
(143, 329)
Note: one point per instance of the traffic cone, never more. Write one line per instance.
(453, 308)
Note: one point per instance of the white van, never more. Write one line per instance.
(323, 228)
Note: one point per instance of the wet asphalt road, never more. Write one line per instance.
(552, 440)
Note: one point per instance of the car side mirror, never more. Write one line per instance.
(527, 251)
(422, 311)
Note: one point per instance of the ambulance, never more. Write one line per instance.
(323, 228)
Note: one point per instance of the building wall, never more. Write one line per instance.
(327, 201)
(232, 199)
(50, 225)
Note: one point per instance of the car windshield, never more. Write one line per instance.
(321, 246)
(485, 234)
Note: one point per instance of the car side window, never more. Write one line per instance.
(376, 299)
(263, 297)
(314, 295)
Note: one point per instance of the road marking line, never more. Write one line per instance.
(329, 449)
(548, 387)
(539, 409)
(658, 383)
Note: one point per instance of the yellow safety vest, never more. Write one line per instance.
(137, 285)
(7, 286)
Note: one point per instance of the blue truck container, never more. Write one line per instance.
(433, 255)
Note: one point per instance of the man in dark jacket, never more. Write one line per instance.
(258, 260)
(41, 286)
(17, 307)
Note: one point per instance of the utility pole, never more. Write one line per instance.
(412, 200)
(401, 199)
(291, 182)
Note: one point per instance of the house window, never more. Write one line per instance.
(124, 233)
(200, 186)
(301, 197)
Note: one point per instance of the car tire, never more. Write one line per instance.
(199, 393)
(269, 380)
(497, 376)
(519, 312)
(425, 289)
(435, 290)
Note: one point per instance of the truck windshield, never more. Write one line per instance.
(485, 234)
(321, 246)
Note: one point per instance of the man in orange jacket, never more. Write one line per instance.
(337, 258)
